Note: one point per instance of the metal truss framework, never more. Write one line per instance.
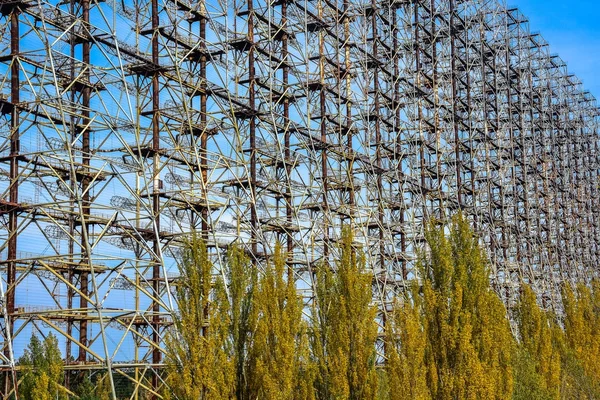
(125, 125)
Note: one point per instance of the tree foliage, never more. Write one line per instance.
(241, 337)
(43, 366)
(198, 366)
(554, 362)
(538, 359)
(581, 350)
(242, 280)
(468, 342)
(278, 352)
(100, 390)
(241, 334)
(344, 328)
(406, 344)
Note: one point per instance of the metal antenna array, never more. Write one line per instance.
(126, 125)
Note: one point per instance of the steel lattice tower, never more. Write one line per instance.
(126, 125)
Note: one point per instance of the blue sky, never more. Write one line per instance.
(572, 29)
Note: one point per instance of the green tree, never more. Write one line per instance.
(344, 327)
(468, 353)
(198, 366)
(538, 359)
(43, 370)
(85, 389)
(101, 390)
(278, 351)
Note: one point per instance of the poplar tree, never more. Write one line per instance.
(581, 352)
(344, 327)
(538, 359)
(469, 342)
(241, 278)
(198, 366)
(278, 351)
(43, 365)
(406, 344)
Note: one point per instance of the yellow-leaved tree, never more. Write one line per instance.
(406, 344)
(469, 342)
(538, 358)
(241, 277)
(344, 328)
(199, 366)
(581, 353)
(278, 353)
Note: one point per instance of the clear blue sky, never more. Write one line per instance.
(572, 27)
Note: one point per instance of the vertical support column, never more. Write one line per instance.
(252, 127)
(287, 138)
(203, 120)
(323, 129)
(525, 143)
(399, 132)
(348, 128)
(71, 222)
(431, 192)
(85, 198)
(536, 140)
(156, 264)
(457, 143)
(15, 149)
(422, 140)
(378, 138)
(477, 171)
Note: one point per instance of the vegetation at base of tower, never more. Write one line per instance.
(581, 349)
(241, 283)
(261, 338)
(537, 355)
(406, 344)
(238, 337)
(97, 388)
(554, 362)
(42, 376)
(43, 370)
(242, 334)
(450, 338)
(344, 330)
(278, 354)
(198, 366)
